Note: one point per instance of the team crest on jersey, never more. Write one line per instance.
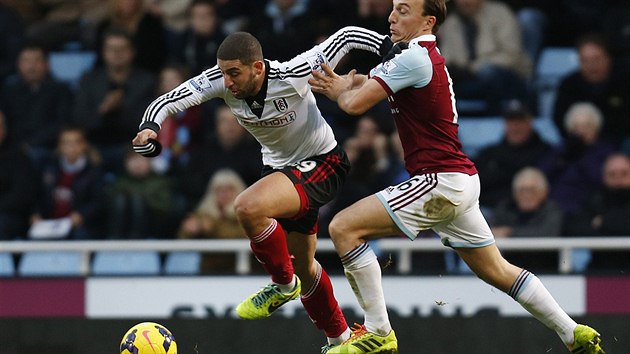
(316, 61)
(199, 83)
(281, 104)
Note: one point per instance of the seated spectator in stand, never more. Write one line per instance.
(521, 146)
(17, 195)
(196, 47)
(146, 31)
(138, 202)
(574, 169)
(214, 218)
(283, 27)
(606, 214)
(11, 37)
(33, 100)
(71, 186)
(481, 43)
(36, 105)
(230, 147)
(183, 133)
(598, 83)
(529, 213)
(111, 98)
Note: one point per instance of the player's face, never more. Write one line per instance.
(406, 21)
(242, 80)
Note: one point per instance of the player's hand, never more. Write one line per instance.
(145, 143)
(331, 84)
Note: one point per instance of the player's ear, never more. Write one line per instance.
(259, 67)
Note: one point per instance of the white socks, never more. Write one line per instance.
(364, 275)
(287, 288)
(535, 298)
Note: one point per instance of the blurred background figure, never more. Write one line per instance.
(11, 38)
(17, 195)
(481, 43)
(36, 105)
(184, 132)
(196, 47)
(146, 30)
(283, 27)
(574, 169)
(112, 97)
(606, 214)
(229, 147)
(597, 82)
(139, 202)
(520, 147)
(214, 218)
(71, 186)
(529, 213)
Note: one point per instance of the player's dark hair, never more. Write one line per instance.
(436, 8)
(240, 46)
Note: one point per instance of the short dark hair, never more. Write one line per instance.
(595, 38)
(436, 8)
(240, 46)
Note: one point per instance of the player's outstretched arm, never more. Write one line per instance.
(352, 99)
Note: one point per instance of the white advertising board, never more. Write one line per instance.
(197, 297)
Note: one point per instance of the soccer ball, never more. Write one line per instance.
(148, 338)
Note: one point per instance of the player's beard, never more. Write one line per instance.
(248, 89)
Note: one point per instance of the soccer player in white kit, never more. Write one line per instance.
(303, 165)
(442, 194)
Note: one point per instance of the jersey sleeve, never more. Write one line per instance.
(193, 92)
(331, 51)
(411, 68)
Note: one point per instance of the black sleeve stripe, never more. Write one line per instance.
(167, 99)
(362, 37)
(213, 74)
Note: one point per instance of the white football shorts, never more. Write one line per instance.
(446, 202)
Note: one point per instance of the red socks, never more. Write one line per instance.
(270, 248)
(322, 307)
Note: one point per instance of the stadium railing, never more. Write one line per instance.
(401, 248)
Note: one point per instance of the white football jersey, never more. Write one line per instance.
(291, 127)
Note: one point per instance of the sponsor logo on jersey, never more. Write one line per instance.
(199, 83)
(281, 104)
(274, 122)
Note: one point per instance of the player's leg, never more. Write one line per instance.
(317, 291)
(350, 231)
(527, 289)
(273, 196)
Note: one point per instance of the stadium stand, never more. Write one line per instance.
(50, 263)
(182, 263)
(126, 263)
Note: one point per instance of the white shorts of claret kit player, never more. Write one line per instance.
(447, 202)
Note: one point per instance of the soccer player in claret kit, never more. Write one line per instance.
(304, 166)
(442, 193)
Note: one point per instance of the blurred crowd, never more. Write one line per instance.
(65, 149)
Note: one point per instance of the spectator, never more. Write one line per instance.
(214, 217)
(521, 146)
(36, 105)
(138, 202)
(481, 43)
(17, 195)
(111, 98)
(197, 46)
(182, 134)
(596, 82)
(529, 213)
(574, 169)
(606, 214)
(172, 13)
(71, 186)
(284, 28)
(146, 30)
(11, 37)
(231, 147)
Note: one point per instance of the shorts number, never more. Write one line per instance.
(407, 184)
(305, 166)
